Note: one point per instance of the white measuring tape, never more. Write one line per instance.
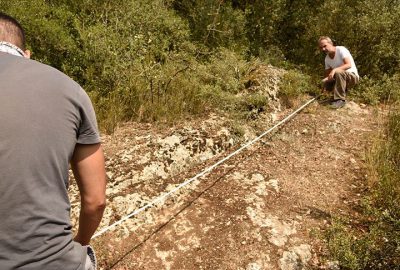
(162, 197)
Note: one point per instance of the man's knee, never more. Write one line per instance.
(339, 74)
(344, 77)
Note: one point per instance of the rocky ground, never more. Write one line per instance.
(264, 208)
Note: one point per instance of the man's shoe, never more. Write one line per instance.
(339, 103)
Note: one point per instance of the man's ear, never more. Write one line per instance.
(27, 54)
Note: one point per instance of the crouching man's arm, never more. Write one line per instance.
(89, 170)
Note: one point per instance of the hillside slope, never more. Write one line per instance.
(262, 209)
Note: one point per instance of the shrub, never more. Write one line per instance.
(372, 91)
(294, 84)
(162, 59)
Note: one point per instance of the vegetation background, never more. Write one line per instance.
(164, 60)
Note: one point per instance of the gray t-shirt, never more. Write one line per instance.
(43, 114)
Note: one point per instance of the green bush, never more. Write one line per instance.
(387, 164)
(294, 84)
(369, 29)
(213, 23)
(160, 60)
(224, 69)
(372, 91)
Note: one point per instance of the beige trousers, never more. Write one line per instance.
(343, 81)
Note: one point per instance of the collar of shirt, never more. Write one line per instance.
(11, 49)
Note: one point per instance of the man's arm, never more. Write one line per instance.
(89, 170)
(327, 71)
(345, 66)
(325, 79)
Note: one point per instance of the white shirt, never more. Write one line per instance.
(337, 61)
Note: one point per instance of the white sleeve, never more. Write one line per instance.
(344, 52)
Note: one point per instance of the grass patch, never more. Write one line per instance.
(294, 84)
(377, 244)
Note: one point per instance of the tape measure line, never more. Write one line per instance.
(187, 182)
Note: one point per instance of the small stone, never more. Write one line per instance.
(295, 258)
(333, 265)
(253, 266)
(289, 261)
(274, 183)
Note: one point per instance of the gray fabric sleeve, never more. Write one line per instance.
(88, 132)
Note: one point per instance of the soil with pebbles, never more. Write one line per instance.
(264, 208)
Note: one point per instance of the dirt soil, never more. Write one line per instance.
(264, 208)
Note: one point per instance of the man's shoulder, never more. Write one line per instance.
(37, 71)
(342, 49)
(49, 70)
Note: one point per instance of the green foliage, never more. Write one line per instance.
(378, 247)
(341, 245)
(51, 34)
(160, 60)
(225, 70)
(356, 251)
(373, 91)
(293, 25)
(387, 164)
(139, 52)
(368, 28)
(237, 130)
(294, 84)
(261, 25)
(249, 106)
(213, 23)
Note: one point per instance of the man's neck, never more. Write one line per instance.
(332, 54)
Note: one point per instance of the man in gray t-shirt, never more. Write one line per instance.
(47, 122)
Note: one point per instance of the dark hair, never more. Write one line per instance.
(11, 31)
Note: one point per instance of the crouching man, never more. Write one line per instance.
(340, 71)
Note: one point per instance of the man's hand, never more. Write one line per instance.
(323, 83)
(324, 80)
(331, 75)
(88, 167)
